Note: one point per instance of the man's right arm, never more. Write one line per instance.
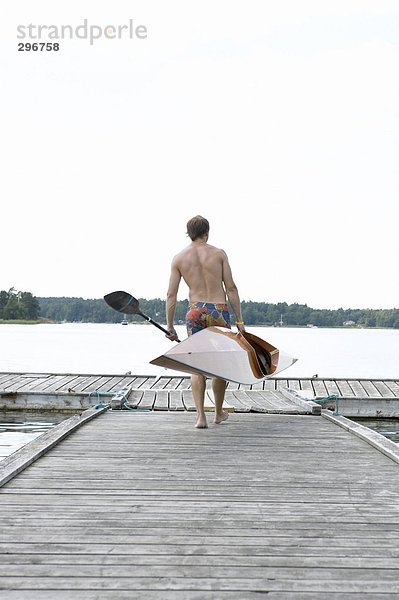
(232, 292)
(171, 300)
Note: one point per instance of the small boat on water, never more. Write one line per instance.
(219, 352)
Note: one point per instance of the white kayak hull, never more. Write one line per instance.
(218, 352)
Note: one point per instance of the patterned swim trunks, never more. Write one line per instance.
(206, 314)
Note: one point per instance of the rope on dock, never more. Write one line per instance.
(117, 397)
(324, 400)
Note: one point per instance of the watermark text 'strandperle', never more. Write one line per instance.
(84, 31)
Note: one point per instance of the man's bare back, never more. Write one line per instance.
(207, 273)
(201, 266)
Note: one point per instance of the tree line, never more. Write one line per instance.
(15, 305)
(254, 313)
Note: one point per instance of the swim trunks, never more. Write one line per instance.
(206, 314)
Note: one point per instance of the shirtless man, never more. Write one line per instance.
(206, 271)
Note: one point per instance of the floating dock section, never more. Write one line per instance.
(77, 392)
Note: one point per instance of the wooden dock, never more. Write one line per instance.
(143, 505)
(76, 392)
(89, 383)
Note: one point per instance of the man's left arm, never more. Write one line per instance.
(171, 300)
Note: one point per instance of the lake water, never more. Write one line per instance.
(389, 428)
(19, 428)
(115, 349)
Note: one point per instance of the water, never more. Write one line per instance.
(19, 428)
(389, 428)
(115, 349)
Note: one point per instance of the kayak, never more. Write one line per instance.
(218, 352)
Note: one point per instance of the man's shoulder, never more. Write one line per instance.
(215, 249)
(182, 252)
(219, 252)
(181, 256)
(188, 252)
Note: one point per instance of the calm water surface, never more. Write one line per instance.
(19, 428)
(389, 428)
(115, 349)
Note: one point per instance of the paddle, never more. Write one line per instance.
(127, 304)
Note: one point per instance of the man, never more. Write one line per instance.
(207, 273)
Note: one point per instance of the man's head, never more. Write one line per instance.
(197, 227)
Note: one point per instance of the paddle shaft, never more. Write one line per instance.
(147, 318)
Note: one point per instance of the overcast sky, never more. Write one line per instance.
(277, 120)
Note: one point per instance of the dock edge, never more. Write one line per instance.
(377, 440)
(25, 456)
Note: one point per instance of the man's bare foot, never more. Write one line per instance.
(222, 417)
(201, 423)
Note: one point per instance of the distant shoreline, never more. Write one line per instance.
(44, 321)
(39, 321)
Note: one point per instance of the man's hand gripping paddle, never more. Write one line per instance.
(127, 304)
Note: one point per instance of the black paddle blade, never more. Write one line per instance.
(123, 302)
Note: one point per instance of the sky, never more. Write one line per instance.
(277, 120)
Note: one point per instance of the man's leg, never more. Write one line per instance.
(198, 389)
(219, 388)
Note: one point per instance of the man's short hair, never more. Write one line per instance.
(197, 227)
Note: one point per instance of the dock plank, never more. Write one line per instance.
(257, 386)
(111, 385)
(136, 382)
(80, 381)
(319, 387)
(157, 514)
(148, 399)
(371, 389)
(135, 397)
(331, 387)
(15, 382)
(294, 384)
(393, 387)
(175, 400)
(383, 389)
(174, 383)
(357, 388)
(244, 386)
(17, 385)
(306, 385)
(239, 400)
(281, 384)
(209, 400)
(185, 384)
(7, 377)
(34, 382)
(233, 403)
(344, 388)
(56, 383)
(97, 384)
(273, 402)
(231, 385)
(270, 384)
(188, 400)
(161, 400)
(161, 383)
